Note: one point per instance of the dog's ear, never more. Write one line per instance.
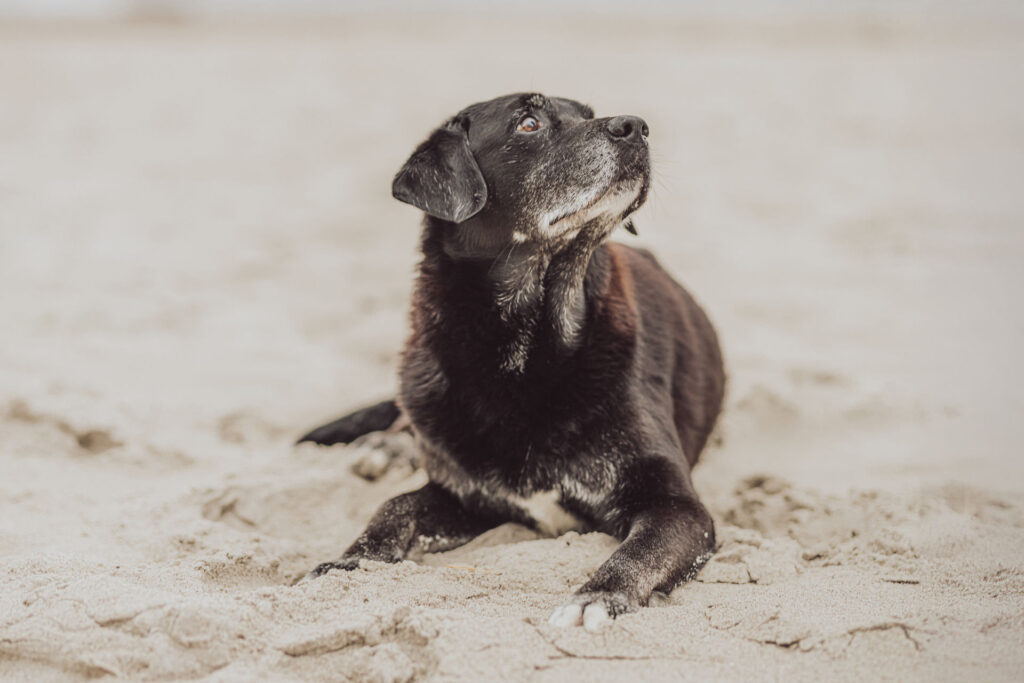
(442, 178)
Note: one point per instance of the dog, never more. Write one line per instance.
(552, 378)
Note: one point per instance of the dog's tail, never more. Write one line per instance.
(375, 418)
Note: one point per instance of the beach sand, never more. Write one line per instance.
(200, 259)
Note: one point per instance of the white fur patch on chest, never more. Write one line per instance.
(550, 517)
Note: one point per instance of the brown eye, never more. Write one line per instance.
(528, 125)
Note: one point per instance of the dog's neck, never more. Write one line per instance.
(536, 288)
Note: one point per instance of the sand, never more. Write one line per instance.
(200, 259)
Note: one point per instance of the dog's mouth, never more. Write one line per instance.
(598, 197)
(619, 200)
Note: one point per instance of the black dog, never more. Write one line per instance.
(551, 379)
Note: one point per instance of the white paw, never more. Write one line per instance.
(595, 617)
(593, 611)
(567, 615)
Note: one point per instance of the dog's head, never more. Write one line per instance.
(527, 167)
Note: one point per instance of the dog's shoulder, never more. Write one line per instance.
(641, 264)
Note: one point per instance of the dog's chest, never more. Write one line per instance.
(547, 513)
(543, 508)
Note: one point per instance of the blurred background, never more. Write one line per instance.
(197, 236)
(200, 260)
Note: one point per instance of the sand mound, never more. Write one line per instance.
(209, 592)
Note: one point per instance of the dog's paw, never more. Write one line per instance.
(344, 563)
(592, 610)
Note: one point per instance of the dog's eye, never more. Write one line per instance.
(528, 124)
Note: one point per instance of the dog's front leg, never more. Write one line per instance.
(669, 540)
(430, 518)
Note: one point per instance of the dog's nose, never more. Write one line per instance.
(631, 128)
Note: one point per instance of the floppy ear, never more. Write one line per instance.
(442, 178)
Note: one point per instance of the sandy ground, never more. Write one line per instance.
(199, 259)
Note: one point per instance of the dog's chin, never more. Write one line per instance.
(608, 208)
